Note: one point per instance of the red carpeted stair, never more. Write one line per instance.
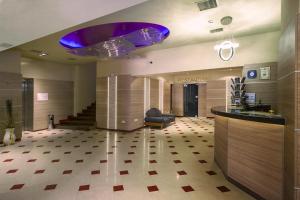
(86, 120)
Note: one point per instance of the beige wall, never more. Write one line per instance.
(11, 88)
(166, 97)
(154, 93)
(215, 95)
(10, 61)
(31, 68)
(84, 86)
(202, 99)
(60, 102)
(253, 49)
(177, 99)
(83, 76)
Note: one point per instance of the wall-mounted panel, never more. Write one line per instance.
(167, 98)
(177, 99)
(202, 99)
(154, 93)
(215, 95)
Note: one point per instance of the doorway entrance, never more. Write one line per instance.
(190, 100)
(27, 98)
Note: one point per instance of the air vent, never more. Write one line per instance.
(206, 4)
(5, 45)
(216, 30)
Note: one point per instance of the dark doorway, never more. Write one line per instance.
(27, 87)
(190, 100)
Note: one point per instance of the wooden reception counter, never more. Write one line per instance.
(249, 150)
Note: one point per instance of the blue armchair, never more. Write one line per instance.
(154, 117)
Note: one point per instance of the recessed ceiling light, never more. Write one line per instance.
(43, 54)
(211, 21)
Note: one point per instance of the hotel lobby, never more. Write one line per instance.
(149, 99)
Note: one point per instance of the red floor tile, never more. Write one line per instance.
(79, 161)
(67, 172)
(8, 160)
(50, 187)
(177, 161)
(11, 171)
(118, 188)
(223, 189)
(124, 172)
(202, 161)
(40, 171)
(31, 160)
(187, 188)
(83, 188)
(151, 173)
(17, 187)
(103, 161)
(55, 160)
(152, 161)
(152, 188)
(127, 161)
(95, 172)
(181, 173)
(211, 173)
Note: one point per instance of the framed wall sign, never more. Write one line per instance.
(42, 96)
(252, 74)
(265, 73)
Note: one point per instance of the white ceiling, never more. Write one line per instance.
(187, 24)
(26, 20)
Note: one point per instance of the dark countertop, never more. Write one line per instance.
(255, 116)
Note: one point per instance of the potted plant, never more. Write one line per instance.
(9, 136)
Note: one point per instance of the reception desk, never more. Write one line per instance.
(249, 150)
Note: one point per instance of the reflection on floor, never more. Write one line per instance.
(171, 164)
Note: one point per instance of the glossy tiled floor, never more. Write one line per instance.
(170, 164)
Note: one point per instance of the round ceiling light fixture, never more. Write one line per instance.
(226, 20)
(226, 49)
(114, 39)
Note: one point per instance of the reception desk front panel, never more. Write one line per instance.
(251, 154)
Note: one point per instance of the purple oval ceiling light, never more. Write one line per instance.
(113, 40)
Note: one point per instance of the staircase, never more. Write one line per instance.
(86, 120)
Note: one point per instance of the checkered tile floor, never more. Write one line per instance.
(175, 163)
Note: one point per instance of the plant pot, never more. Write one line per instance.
(9, 136)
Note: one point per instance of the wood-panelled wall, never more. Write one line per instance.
(202, 99)
(251, 153)
(101, 102)
(167, 98)
(266, 90)
(154, 93)
(216, 95)
(130, 102)
(60, 102)
(11, 88)
(177, 99)
(120, 102)
(255, 156)
(288, 104)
